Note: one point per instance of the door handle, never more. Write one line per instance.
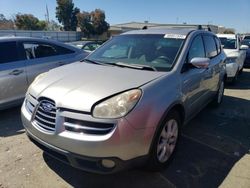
(61, 63)
(16, 72)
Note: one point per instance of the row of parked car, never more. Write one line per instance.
(126, 102)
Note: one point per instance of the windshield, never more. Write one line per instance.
(228, 43)
(246, 42)
(147, 50)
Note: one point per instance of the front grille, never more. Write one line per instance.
(45, 115)
(87, 127)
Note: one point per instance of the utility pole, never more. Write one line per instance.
(47, 13)
(47, 17)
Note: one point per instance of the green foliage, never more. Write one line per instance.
(229, 31)
(98, 21)
(92, 23)
(6, 23)
(54, 26)
(66, 14)
(84, 22)
(29, 22)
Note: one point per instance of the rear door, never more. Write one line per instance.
(212, 73)
(13, 83)
(42, 56)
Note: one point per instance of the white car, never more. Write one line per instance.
(236, 54)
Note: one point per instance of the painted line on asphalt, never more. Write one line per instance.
(202, 143)
(165, 179)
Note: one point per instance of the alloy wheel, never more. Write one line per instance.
(167, 140)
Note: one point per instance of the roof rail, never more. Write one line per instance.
(199, 27)
(185, 26)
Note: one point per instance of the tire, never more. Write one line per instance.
(165, 142)
(241, 70)
(235, 77)
(219, 95)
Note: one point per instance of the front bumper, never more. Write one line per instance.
(90, 164)
(231, 69)
(123, 144)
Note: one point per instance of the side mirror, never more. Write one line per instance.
(243, 47)
(200, 62)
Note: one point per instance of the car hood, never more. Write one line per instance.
(231, 52)
(80, 85)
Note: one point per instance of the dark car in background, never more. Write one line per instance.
(246, 41)
(23, 58)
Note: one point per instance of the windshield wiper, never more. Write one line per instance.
(134, 66)
(91, 61)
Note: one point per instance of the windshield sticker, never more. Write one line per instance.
(175, 36)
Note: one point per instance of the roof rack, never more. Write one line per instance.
(199, 27)
(185, 26)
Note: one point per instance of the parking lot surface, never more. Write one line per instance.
(210, 145)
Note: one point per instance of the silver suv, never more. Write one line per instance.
(23, 58)
(125, 104)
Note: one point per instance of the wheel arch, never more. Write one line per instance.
(179, 108)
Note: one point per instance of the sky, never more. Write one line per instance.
(229, 13)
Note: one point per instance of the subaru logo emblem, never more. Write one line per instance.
(47, 107)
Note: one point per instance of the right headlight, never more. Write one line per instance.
(231, 60)
(117, 106)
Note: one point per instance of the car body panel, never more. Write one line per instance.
(95, 89)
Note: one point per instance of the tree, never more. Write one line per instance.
(6, 23)
(92, 23)
(66, 14)
(84, 22)
(54, 26)
(98, 22)
(29, 22)
(229, 31)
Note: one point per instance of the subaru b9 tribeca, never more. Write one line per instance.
(125, 104)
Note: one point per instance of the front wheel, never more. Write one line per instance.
(165, 142)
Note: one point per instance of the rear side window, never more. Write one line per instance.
(210, 46)
(218, 45)
(40, 50)
(62, 51)
(36, 50)
(8, 52)
(196, 49)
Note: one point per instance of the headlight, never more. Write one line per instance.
(231, 60)
(117, 106)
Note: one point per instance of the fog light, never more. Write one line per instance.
(108, 163)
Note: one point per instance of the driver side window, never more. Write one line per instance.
(196, 49)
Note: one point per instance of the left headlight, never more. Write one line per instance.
(117, 106)
(231, 60)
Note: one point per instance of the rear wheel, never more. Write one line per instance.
(165, 142)
(219, 96)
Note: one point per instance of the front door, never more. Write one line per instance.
(13, 82)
